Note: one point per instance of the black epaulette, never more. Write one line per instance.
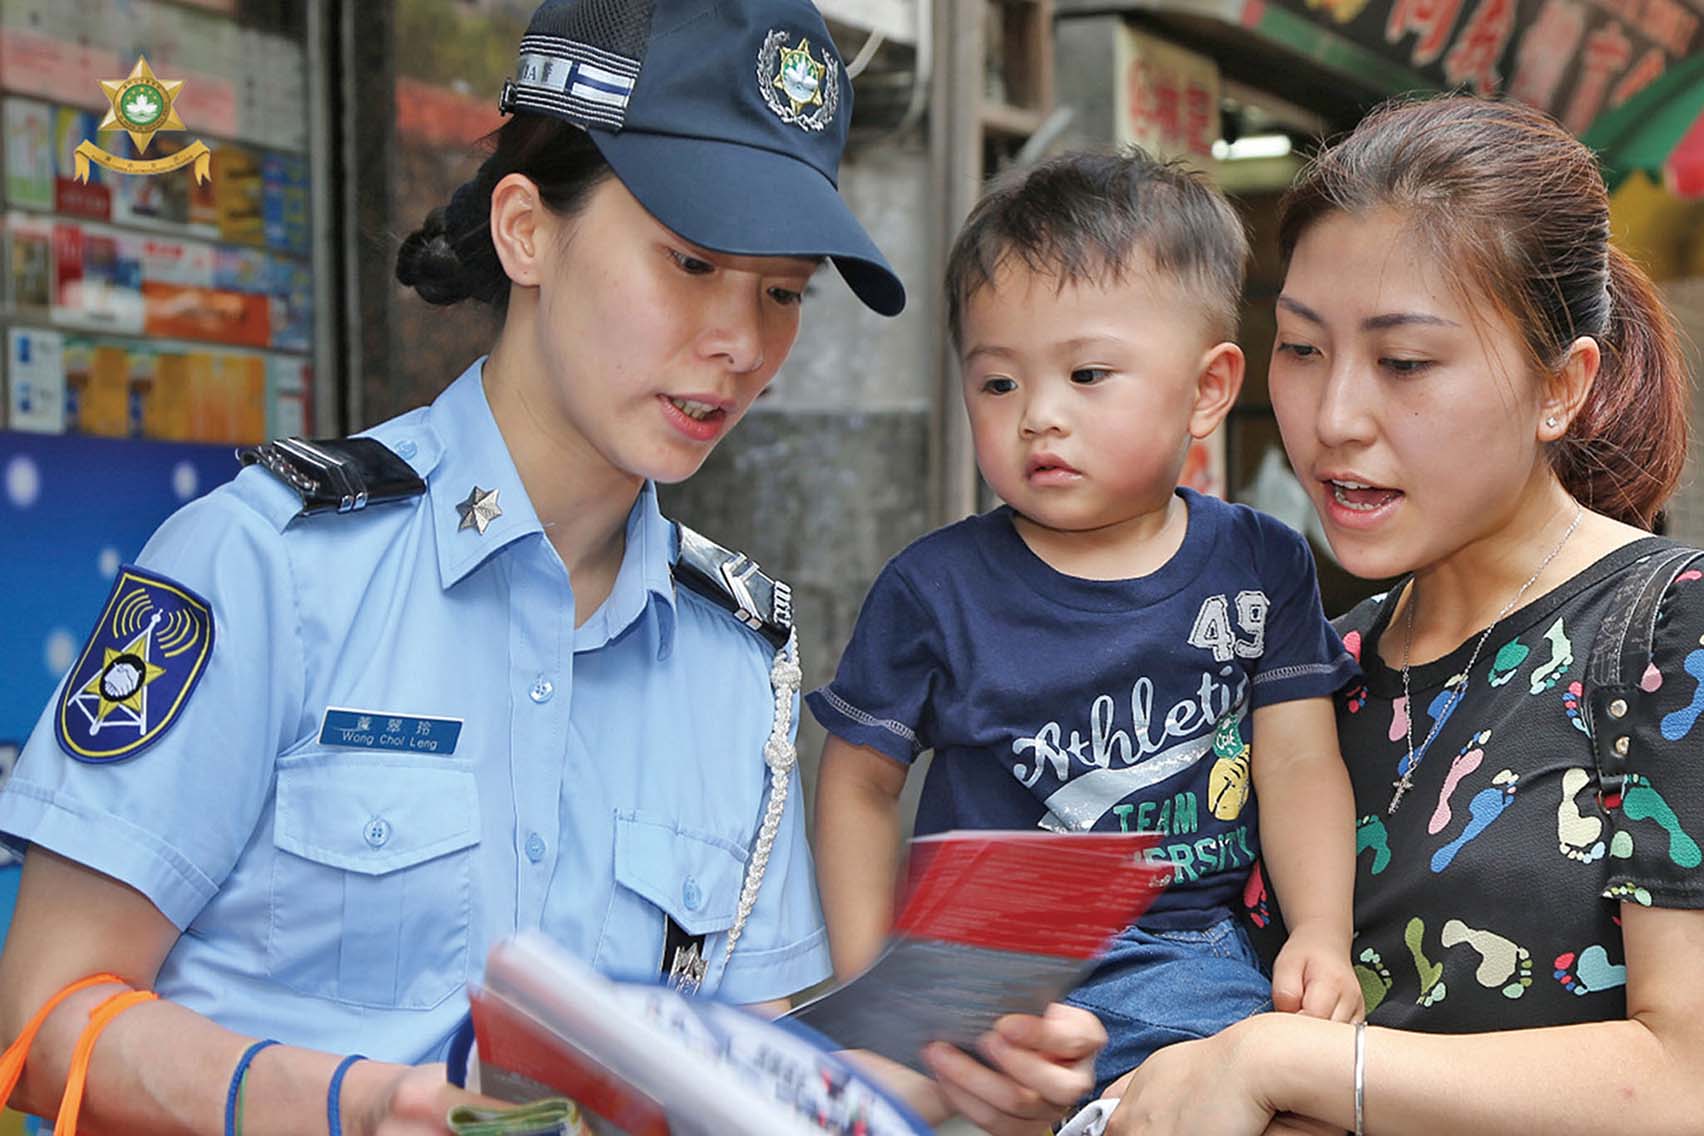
(336, 476)
(732, 582)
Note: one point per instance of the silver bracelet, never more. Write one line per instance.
(1361, 1078)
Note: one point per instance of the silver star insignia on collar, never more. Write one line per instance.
(479, 510)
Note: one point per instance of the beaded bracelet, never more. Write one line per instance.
(233, 1095)
(334, 1094)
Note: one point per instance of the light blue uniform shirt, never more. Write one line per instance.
(339, 897)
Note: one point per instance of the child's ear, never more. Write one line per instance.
(1217, 385)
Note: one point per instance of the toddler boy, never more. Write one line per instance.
(1101, 651)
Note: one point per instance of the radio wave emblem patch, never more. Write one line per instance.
(136, 673)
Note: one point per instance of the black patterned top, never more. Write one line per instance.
(1489, 900)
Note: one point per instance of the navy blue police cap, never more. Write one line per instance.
(724, 118)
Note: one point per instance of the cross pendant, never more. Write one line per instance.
(1401, 788)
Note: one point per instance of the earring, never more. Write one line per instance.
(1551, 422)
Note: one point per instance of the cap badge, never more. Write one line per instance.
(798, 88)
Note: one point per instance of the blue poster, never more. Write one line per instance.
(73, 511)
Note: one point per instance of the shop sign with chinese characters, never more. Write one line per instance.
(1572, 58)
(1168, 98)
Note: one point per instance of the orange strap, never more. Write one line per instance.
(12, 1061)
(99, 1018)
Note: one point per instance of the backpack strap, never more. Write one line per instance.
(1621, 653)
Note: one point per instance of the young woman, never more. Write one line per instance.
(1485, 396)
(372, 707)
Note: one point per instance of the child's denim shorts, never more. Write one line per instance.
(1156, 987)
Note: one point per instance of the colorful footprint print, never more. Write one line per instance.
(1561, 658)
(1509, 658)
(1486, 806)
(1442, 709)
(1374, 977)
(1370, 833)
(1461, 765)
(1641, 801)
(1432, 988)
(1628, 891)
(1398, 719)
(1652, 680)
(1571, 706)
(1504, 964)
(1589, 971)
(1357, 697)
(1678, 724)
(1579, 835)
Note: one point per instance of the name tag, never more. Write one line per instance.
(379, 729)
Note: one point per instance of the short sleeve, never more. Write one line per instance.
(1302, 656)
(1656, 848)
(783, 947)
(881, 693)
(171, 819)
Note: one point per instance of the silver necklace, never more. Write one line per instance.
(1459, 682)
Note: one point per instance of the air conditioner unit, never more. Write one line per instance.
(896, 20)
(886, 44)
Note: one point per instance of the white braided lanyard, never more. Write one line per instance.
(779, 753)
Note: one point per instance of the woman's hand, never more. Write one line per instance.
(411, 1101)
(1041, 1066)
(1194, 1088)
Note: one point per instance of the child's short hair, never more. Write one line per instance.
(1083, 216)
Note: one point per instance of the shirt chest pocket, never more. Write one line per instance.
(372, 885)
(665, 870)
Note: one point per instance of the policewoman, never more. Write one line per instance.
(380, 702)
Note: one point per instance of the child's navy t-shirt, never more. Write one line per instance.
(1071, 704)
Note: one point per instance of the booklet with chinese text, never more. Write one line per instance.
(644, 1060)
(991, 923)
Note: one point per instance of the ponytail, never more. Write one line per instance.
(1624, 452)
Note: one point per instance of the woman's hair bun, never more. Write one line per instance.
(451, 256)
(427, 262)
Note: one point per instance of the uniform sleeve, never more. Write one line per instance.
(1658, 824)
(783, 948)
(882, 693)
(171, 818)
(1302, 655)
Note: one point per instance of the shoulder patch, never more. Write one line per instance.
(336, 476)
(732, 581)
(137, 671)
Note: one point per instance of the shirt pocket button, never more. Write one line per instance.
(377, 832)
(691, 895)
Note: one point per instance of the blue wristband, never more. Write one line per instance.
(334, 1094)
(237, 1076)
